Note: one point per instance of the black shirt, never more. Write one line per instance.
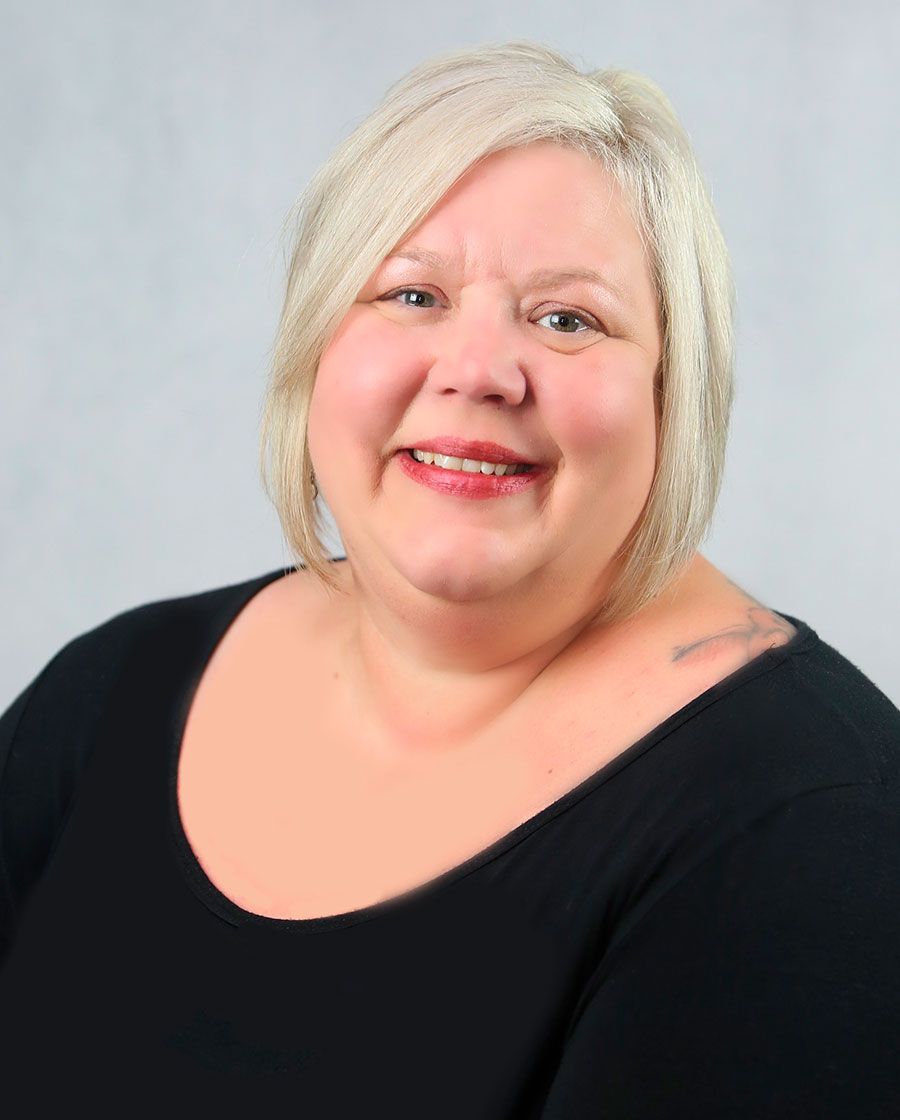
(708, 926)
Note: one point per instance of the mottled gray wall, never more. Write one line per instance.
(151, 150)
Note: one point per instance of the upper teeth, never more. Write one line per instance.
(453, 463)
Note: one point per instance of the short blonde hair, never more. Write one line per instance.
(381, 181)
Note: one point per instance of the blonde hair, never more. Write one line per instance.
(380, 183)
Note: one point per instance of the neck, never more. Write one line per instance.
(431, 675)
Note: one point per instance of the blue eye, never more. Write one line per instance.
(407, 292)
(565, 316)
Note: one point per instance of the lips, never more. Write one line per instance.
(484, 450)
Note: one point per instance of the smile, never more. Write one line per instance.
(467, 482)
(472, 466)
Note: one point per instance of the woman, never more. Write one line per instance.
(521, 808)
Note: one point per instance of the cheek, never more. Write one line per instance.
(610, 421)
(358, 392)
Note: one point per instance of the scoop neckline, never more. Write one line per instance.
(226, 908)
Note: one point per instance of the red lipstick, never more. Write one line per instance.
(468, 484)
(479, 449)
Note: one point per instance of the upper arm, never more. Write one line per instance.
(46, 737)
(764, 984)
(9, 723)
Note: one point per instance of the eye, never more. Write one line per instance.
(391, 296)
(565, 317)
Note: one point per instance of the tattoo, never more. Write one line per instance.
(764, 630)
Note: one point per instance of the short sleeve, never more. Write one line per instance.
(764, 984)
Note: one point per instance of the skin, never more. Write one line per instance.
(461, 684)
(459, 610)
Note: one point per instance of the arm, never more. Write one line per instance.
(9, 724)
(45, 741)
(765, 984)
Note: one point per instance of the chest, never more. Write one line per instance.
(290, 816)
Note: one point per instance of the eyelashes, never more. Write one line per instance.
(566, 313)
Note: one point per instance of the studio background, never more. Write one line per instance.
(151, 152)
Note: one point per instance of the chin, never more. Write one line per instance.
(458, 576)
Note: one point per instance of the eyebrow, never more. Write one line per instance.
(540, 277)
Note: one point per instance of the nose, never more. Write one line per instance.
(477, 355)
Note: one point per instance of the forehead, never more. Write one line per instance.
(531, 187)
(537, 213)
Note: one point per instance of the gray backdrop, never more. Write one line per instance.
(151, 150)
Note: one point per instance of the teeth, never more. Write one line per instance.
(473, 466)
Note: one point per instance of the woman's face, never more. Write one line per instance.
(560, 370)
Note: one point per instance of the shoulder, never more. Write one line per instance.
(78, 671)
(77, 678)
(49, 730)
(788, 767)
(793, 700)
(799, 716)
(841, 711)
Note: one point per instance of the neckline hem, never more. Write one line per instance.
(224, 907)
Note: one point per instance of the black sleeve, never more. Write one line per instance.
(764, 985)
(9, 723)
(46, 737)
